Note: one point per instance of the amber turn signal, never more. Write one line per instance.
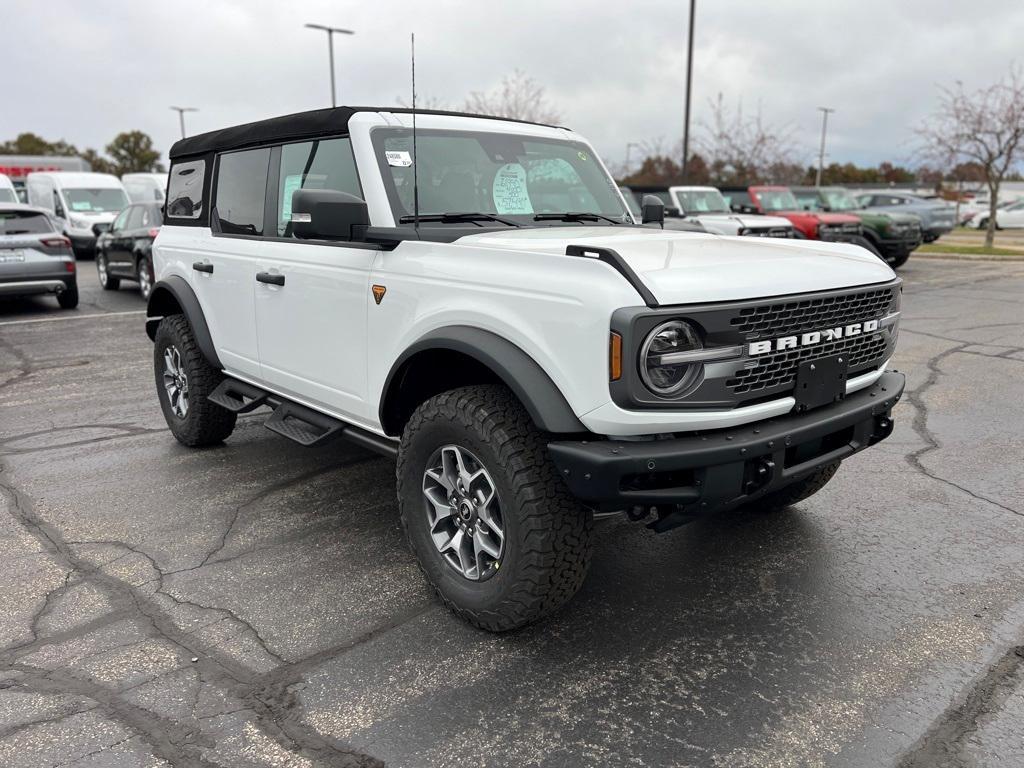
(615, 356)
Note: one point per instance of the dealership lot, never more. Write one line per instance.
(255, 604)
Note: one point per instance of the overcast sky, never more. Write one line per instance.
(615, 71)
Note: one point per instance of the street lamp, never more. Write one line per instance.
(821, 153)
(689, 80)
(629, 146)
(331, 32)
(181, 116)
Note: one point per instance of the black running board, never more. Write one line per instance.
(297, 422)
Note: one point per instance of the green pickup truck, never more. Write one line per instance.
(894, 235)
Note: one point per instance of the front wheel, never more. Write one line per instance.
(184, 379)
(492, 525)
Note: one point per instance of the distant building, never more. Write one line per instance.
(17, 167)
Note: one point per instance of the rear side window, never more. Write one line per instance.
(185, 194)
(24, 223)
(326, 164)
(242, 191)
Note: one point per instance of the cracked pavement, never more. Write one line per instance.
(255, 605)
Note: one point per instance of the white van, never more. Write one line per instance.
(85, 203)
(145, 187)
(8, 194)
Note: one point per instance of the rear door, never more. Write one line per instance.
(312, 328)
(119, 257)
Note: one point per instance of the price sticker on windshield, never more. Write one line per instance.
(509, 190)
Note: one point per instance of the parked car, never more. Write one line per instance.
(678, 225)
(894, 235)
(8, 194)
(497, 322)
(85, 203)
(145, 187)
(937, 216)
(125, 251)
(35, 258)
(707, 206)
(1009, 215)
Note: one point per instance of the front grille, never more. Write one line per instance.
(779, 368)
(790, 317)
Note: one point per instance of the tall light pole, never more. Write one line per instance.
(689, 79)
(331, 32)
(821, 152)
(629, 146)
(181, 116)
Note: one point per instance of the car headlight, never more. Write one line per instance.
(80, 223)
(664, 365)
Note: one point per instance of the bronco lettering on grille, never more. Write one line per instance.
(811, 338)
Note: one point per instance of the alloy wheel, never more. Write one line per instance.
(145, 281)
(101, 268)
(175, 382)
(464, 513)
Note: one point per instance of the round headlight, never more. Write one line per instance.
(661, 368)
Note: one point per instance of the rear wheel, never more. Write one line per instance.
(68, 298)
(493, 527)
(184, 379)
(107, 282)
(798, 491)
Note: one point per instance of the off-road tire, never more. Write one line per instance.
(205, 423)
(798, 491)
(112, 283)
(548, 533)
(68, 298)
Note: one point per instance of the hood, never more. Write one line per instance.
(689, 268)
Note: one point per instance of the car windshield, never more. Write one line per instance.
(8, 196)
(498, 174)
(840, 200)
(96, 200)
(631, 203)
(24, 223)
(702, 201)
(777, 200)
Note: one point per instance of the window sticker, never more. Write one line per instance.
(292, 182)
(398, 159)
(83, 205)
(509, 190)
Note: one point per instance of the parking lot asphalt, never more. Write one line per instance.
(255, 604)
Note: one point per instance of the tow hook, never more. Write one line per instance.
(758, 475)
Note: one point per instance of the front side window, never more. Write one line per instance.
(242, 191)
(95, 200)
(702, 201)
(134, 218)
(777, 200)
(324, 164)
(121, 222)
(185, 194)
(514, 177)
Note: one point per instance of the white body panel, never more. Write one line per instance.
(324, 342)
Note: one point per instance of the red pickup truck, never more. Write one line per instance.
(779, 201)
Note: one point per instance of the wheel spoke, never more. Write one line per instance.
(482, 542)
(484, 515)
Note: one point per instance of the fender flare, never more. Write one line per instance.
(543, 401)
(175, 293)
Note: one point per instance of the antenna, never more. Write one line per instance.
(415, 176)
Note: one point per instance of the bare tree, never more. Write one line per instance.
(984, 127)
(519, 96)
(741, 149)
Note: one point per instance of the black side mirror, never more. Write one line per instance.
(326, 214)
(652, 210)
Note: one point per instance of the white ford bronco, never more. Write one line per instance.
(474, 298)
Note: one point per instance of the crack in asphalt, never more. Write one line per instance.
(277, 712)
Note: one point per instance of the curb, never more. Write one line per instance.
(966, 257)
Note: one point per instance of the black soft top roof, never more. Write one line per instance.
(295, 127)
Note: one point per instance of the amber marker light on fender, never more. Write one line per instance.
(615, 356)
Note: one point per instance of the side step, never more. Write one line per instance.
(237, 396)
(297, 422)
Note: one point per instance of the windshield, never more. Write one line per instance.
(109, 199)
(702, 201)
(24, 223)
(514, 177)
(777, 200)
(631, 203)
(840, 200)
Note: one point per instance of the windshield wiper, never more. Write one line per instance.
(569, 216)
(452, 218)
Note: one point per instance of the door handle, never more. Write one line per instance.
(202, 266)
(272, 278)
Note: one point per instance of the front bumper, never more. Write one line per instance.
(901, 245)
(711, 471)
